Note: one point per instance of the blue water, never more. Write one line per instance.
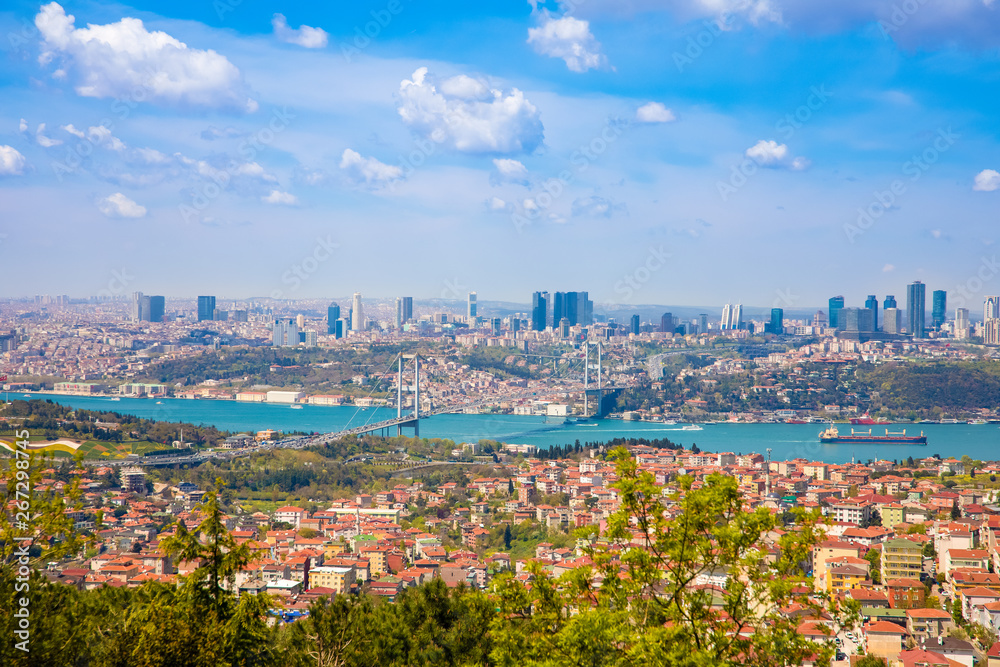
(785, 440)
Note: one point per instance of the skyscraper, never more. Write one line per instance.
(473, 310)
(961, 323)
(206, 308)
(559, 309)
(667, 323)
(736, 317)
(939, 308)
(855, 319)
(777, 321)
(136, 315)
(284, 333)
(703, 323)
(539, 310)
(635, 324)
(495, 324)
(357, 314)
(404, 310)
(584, 309)
(889, 302)
(332, 315)
(916, 309)
(872, 304)
(892, 321)
(836, 303)
(157, 305)
(991, 308)
(724, 324)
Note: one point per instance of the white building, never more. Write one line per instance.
(357, 314)
(285, 396)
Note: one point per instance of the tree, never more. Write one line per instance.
(506, 536)
(647, 610)
(870, 661)
(510, 487)
(874, 556)
(955, 512)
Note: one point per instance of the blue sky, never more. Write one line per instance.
(775, 152)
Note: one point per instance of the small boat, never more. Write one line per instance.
(296, 407)
(27, 395)
(159, 402)
(115, 398)
(976, 422)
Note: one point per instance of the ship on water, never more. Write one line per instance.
(833, 436)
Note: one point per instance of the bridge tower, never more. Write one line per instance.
(415, 422)
(587, 391)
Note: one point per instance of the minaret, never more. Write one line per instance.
(767, 478)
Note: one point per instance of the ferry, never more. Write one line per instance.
(866, 419)
(832, 436)
(691, 427)
(115, 398)
(949, 421)
(977, 422)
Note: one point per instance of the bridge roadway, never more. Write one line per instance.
(300, 442)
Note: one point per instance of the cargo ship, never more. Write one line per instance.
(832, 436)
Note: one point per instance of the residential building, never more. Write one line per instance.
(901, 559)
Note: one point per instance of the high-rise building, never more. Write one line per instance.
(539, 310)
(667, 323)
(724, 324)
(939, 308)
(736, 317)
(961, 323)
(284, 333)
(635, 324)
(136, 314)
(332, 315)
(777, 321)
(308, 338)
(916, 309)
(703, 323)
(404, 310)
(991, 331)
(819, 319)
(855, 319)
(892, 321)
(206, 308)
(157, 304)
(835, 305)
(991, 308)
(564, 327)
(340, 328)
(584, 310)
(889, 302)
(473, 310)
(241, 316)
(220, 315)
(495, 324)
(357, 314)
(300, 321)
(871, 303)
(559, 306)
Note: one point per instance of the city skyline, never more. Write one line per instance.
(847, 142)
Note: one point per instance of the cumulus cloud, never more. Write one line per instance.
(280, 198)
(654, 112)
(568, 38)
(118, 59)
(43, 140)
(987, 180)
(367, 171)
(468, 115)
(769, 153)
(120, 206)
(597, 207)
(497, 205)
(310, 38)
(11, 161)
(888, 268)
(507, 170)
(23, 125)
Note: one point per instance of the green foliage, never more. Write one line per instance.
(870, 661)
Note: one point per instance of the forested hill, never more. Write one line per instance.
(949, 386)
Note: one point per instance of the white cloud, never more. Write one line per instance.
(654, 112)
(367, 171)
(102, 136)
(568, 38)
(888, 268)
(120, 206)
(497, 205)
(72, 130)
(120, 60)
(11, 161)
(468, 118)
(44, 141)
(310, 38)
(23, 125)
(987, 180)
(280, 198)
(507, 170)
(597, 207)
(769, 153)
